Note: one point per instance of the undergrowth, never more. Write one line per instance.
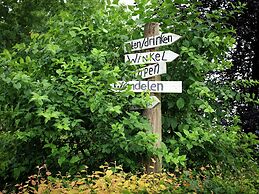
(115, 180)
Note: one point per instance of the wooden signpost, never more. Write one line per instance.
(154, 115)
(152, 39)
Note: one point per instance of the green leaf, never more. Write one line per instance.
(49, 113)
(61, 160)
(39, 99)
(28, 59)
(74, 159)
(21, 60)
(17, 171)
(115, 2)
(180, 103)
(72, 33)
(52, 48)
(17, 86)
(189, 146)
(104, 30)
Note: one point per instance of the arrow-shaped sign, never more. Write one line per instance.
(152, 86)
(151, 57)
(155, 101)
(152, 70)
(151, 42)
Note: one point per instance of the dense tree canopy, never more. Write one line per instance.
(19, 18)
(244, 56)
(246, 62)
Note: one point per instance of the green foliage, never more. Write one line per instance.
(57, 106)
(19, 18)
(193, 122)
(200, 126)
(56, 101)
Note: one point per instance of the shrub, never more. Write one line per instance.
(56, 103)
(115, 180)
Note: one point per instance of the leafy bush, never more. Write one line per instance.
(56, 101)
(115, 180)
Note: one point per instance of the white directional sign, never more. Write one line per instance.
(152, 70)
(151, 42)
(151, 57)
(152, 86)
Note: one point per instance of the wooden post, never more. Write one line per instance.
(154, 115)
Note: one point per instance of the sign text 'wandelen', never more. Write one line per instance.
(152, 86)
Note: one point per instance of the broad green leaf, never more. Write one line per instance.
(61, 160)
(72, 33)
(180, 103)
(17, 86)
(74, 159)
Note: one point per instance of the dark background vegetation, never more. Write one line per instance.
(245, 57)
